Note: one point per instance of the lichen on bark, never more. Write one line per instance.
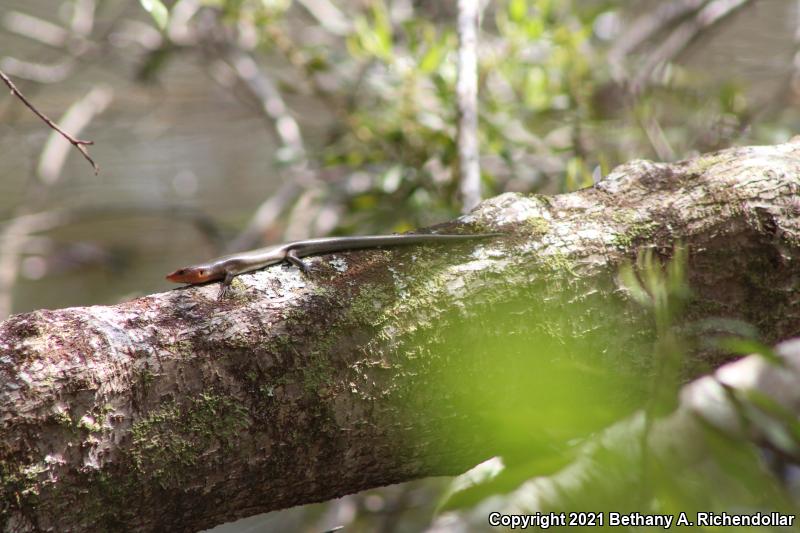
(178, 411)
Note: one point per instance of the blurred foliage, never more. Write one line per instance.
(551, 117)
(549, 390)
(370, 86)
(544, 398)
(158, 10)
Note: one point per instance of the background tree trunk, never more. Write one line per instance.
(178, 412)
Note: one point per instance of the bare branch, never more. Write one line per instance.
(82, 21)
(77, 143)
(646, 27)
(684, 35)
(469, 171)
(77, 117)
(300, 219)
(653, 132)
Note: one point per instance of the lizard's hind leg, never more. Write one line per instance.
(304, 267)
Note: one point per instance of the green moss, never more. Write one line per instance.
(543, 199)
(184, 347)
(91, 427)
(369, 305)
(479, 226)
(623, 215)
(558, 262)
(320, 290)
(19, 479)
(280, 342)
(62, 418)
(702, 164)
(537, 226)
(145, 377)
(110, 497)
(236, 287)
(318, 373)
(174, 437)
(637, 231)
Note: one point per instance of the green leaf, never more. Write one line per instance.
(750, 346)
(158, 11)
(383, 30)
(775, 421)
(434, 56)
(630, 283)
(518, 10)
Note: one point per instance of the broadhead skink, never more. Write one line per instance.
(227, 267)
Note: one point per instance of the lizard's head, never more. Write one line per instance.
(193, 274)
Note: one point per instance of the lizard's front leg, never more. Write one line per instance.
(226, 283)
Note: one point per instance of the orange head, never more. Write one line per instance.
(193, 274)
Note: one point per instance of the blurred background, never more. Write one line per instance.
(220, 125)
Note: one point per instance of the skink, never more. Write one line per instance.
(227, 267)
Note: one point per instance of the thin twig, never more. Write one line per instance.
(76, 118)
(654, 133)
(77, 143)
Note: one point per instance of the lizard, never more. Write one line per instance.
(227, 267)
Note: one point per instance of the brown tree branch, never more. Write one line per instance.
(78, 116)
(77, 143)
(176, 411)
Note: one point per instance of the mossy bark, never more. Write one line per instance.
(178, 412)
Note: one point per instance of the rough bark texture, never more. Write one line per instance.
(178, 412)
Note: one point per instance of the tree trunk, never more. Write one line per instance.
(176, 412)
